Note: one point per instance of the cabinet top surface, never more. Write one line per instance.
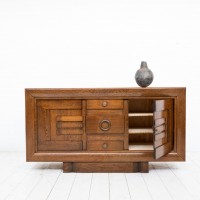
(106, 92)
(107, 89)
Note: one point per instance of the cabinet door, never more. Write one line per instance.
(163, 127)
(59, 125)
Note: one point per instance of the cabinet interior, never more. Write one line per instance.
(140, 128)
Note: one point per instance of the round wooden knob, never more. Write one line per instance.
(105, 145)
(105, 103)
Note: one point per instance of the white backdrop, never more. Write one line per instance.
(96, 43)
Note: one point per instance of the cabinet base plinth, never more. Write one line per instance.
(142, 167)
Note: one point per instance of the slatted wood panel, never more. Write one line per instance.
(163, 140)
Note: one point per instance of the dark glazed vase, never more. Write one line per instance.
(144, 76)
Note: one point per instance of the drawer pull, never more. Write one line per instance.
(105, 125)
(105, 146)
(105, 103)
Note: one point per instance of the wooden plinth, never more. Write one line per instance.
(142, 167)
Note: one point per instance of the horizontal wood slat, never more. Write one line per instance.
(161, 150)
(160, 114)
(69, 118)
(160, 135)
(159, 122)
(163, 104)
(140, 130)
(69, 124)
(160, 129)
(140, 114)
(69, 131)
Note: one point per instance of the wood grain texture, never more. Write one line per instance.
(60, 145)
(104, 104)
(107, 93)
(126, 125)
(114, 124)
(66, 99)
(142, 167)
(105, 145)
(163, 134)
(103, 167)
(31, 142)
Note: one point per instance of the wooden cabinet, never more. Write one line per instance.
(91, 130)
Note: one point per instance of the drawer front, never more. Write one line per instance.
(105, 145)
(59, 104)
(105, 124)
(104, 104)
(101, 137)
(60, 146)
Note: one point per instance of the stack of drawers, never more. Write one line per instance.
(105, 125)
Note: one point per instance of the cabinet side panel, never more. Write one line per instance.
(30, 125)
(180, 123)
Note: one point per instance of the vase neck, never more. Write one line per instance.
(143, 64)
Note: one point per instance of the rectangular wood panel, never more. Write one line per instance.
(59, 104)
(60, 146)
(104, 112)
(103, 167)
(63, 118)
(97, 123)
(105, 104)
(69, 131)
(105, 145)
(96, 137)
(163, 134)
(74, 124)
(107, 167)
(58, 132)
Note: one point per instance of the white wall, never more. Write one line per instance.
(95, 43)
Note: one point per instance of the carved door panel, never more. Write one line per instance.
(60, 125)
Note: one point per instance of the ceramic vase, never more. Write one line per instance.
(144, 76)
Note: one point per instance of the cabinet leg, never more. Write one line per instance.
(67, 167)
(142, 167)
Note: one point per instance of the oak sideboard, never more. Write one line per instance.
(105, 129)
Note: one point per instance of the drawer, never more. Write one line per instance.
(105, 124)
(60, 146)
(108, 137)
(59, 104)
(104, 104)
(105, 145)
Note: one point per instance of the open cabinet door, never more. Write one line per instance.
(163, 127)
